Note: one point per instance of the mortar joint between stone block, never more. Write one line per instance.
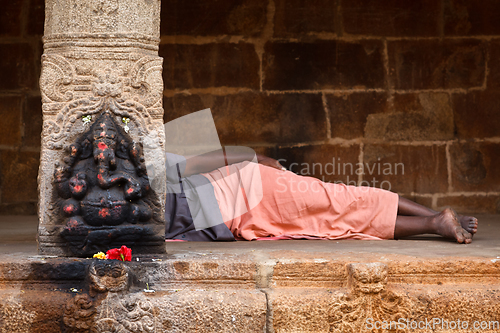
(361, 161)
(448, 168)
(327, 116)
(434, 202)
(487, 65)
(388, 83)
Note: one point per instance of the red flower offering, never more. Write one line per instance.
(123, 254)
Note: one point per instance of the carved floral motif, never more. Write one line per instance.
(135, 94)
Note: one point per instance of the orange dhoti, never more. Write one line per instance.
(260, 202)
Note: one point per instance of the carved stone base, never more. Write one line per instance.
(202, 289)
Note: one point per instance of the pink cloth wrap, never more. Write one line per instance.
(294, 207)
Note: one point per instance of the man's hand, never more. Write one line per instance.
(270, 162)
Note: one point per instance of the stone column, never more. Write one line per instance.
(101, 87)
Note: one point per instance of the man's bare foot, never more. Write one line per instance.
(447, 225)
(469, 223)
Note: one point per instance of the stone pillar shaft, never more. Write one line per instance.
(100, 56)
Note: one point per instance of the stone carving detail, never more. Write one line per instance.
(109, 306)
(14, 317)
(369, 299)
(104, 191)
(105, 14)
(99, 56)
(68, 97)
(79, 313)
(56, 79)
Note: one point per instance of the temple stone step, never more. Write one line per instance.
(415, 285)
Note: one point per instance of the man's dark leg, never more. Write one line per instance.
(445, 224)
(409, 208)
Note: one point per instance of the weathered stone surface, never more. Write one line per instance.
(323, 65)
(424, 201)
(471, 18)
(19, 176)
(101, 58)
(474, 166)
(36, 17)
(476, 114)
(43, 309)
(228, 22)
(212, 311)
(10, 18)
(299, 310)
(210, 65)
(110, 17)
(209, 269)
(183, 104)
(328, 163)
(494, 66)
(292, 286)
(202, 18)
(166, 311)
(110, 295)
(294, 17)
(349, 112)
(365, 296)
(391, 18)
(32, 121)
(471, 204)
(319, 272)
(17, 65)
(249, 118)
(424, 116)
(406, 168)
(433, 64)
(322, 310)
(22, 208)
(10, 124)
(13, 316)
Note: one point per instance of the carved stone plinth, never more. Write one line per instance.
(101, 60)
(212, 291)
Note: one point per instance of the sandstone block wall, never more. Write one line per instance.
(381, 83)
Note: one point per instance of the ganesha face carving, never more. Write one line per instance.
(104, 191)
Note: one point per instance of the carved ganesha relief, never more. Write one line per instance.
(101, 195)
(103, 191)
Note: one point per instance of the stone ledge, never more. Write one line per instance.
(278, 286)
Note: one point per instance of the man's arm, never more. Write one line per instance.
(226, 156)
